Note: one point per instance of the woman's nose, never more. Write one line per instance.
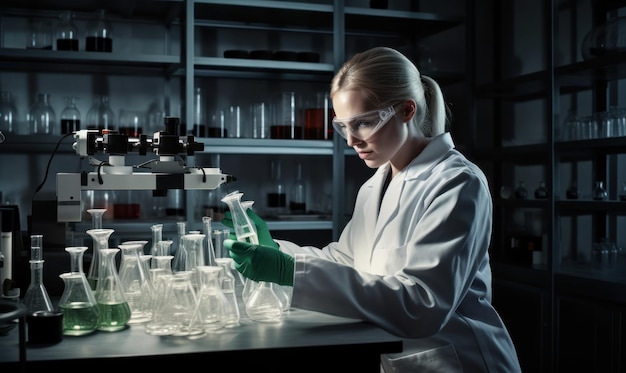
(351, 140)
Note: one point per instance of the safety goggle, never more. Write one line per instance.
(364, 125)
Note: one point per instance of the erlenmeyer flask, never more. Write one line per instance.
(262, 304)
(41, 117)
(181, 303)
(100, 239)
(163, 322)
(112, 305)
(211, 307)
(96, 217)
(78, 303)
(227, 283)
(36, 298)
(135, 282)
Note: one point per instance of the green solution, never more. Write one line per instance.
(113, 316)
(79, 318)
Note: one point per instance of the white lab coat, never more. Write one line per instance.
(419, 268)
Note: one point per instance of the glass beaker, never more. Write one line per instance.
(135, 282)
(66, 32)
(41, 117)
(70, 116)
(112, 305)
(211, 306)
(100, 239)
(78, 303)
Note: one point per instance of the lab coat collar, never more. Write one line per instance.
(436, 149)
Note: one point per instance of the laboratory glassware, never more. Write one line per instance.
(599, 193)
(96, 217)
(180, 254)
(8, 113)
(100, 239)
(100, 116)
(36, 298)
(41, 117)
(99, 34)
(157, 236)
(179, 305)
(263, 304)
(135, 282)
(78, 302)
(297, 203)
(228, 284)
(66, 32)
(70, 116)
(209, 249)
(211, 306)
(276, 194)
(112, 305)
(162, 322)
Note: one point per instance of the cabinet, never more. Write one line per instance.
(551, 252)
(165, 50)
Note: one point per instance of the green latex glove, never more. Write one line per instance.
(265, 238)
(261, 263)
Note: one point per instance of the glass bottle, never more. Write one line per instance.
(212, 304)
(135, 282)
(599, 193)
(8, 113)
(100, 116)
(99, 34)
(112, 305)
(297, 203)
(67, 33)
(70, 116)
(262, 305)
(36, 298)
(41, 117)
(276, 196)
(541, 192)
(78, 303)
(100, 239)
(209, 250)
(521, 192)
(40, 35)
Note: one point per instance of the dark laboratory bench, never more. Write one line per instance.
(302, 340)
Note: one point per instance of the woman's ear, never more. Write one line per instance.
(408, 110)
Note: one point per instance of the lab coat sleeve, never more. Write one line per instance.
(444, 243)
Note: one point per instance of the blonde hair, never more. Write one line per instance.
(386, 77)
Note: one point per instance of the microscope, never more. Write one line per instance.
(164, 172)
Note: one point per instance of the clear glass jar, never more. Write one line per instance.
(70, 116)
(66, 32)
(8, 113)
(599, 193)
(99, 34)
(41, 117)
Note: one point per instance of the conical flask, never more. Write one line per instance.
(180, 253)
(135, 281)
(78, 303)
(212, 304)
(227, 283)
(100, 239)
(262, 305)
(112, 305)
(36, 298)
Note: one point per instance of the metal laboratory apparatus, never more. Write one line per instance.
(160, 174)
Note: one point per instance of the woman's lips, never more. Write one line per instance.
(364, 155)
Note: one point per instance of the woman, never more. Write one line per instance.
(413, 258)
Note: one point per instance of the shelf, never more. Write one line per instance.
(586, 207)
(251, 68)
(376, 22)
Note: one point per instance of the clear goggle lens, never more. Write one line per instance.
(364, 125)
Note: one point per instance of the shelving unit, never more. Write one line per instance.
(189, 54)
(573, 301)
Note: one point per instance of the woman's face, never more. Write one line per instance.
(383, 145)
